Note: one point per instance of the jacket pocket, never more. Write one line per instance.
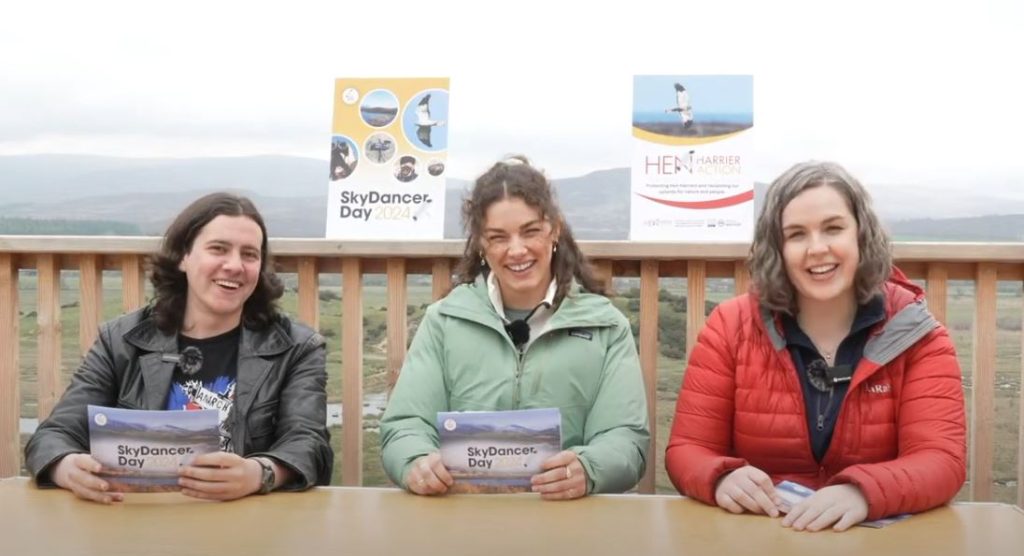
(262, 420)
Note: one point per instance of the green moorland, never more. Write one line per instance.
(672, 318)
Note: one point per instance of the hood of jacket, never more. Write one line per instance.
(907, 320)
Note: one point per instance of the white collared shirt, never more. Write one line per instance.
(541, 317)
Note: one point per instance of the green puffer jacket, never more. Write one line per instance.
(585, 363)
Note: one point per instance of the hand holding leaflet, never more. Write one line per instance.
(792, 494)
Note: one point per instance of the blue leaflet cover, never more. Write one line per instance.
(140, 451)
(497, 451)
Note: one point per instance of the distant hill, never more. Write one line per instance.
(58, 227)
(50, 177)
(142, 195)
(994, 227)
(290, 191)
(596, 204)
(150, 213)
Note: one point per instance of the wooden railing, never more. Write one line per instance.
(936, 264)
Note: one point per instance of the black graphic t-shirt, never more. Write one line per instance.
(207, 380)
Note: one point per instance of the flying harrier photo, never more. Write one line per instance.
(424, 120)
(692, 106)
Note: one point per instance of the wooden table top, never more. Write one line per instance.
(344, 521)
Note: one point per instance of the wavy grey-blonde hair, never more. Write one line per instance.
(767, 268)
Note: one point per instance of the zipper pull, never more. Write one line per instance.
(821, 422)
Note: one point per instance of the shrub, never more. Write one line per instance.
(1012, 323)
(328, 295)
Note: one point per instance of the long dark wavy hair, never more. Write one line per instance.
(767, 267)
(515, 177)
(170, 285)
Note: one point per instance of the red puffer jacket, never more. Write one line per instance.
(900, 435)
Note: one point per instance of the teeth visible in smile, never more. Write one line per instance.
(821, 269)
(228, 284)
(520, 267)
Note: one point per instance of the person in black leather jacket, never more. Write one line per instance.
(214, 301)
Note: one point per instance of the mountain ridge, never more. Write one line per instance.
(291, 192)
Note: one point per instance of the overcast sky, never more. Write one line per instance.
(901, 92)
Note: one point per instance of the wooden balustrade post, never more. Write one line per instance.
(352, 373)
(398, 327)
(741, 278)
(696, 286)
(309, 292)
(983, 378)
(441, 278)
(90, 300)
(1020, 429)
(10, 393)
(937, 290)
(133, 283)
(648, 341)
(603, 270)
(48, 335)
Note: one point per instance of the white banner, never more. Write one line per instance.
(388, 159)
(693, 141)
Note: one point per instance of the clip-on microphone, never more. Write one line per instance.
(190, 360)
(519, 329)
(839, 373)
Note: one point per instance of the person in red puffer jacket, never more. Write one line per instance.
(831, 373)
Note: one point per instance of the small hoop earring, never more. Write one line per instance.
(554, 248)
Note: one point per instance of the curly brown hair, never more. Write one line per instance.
(170, 285)
(515, 177)
(767, 268)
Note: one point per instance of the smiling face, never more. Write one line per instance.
(819, 247)
(222, 268)
(517, 243)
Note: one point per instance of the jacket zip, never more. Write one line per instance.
(521, 358)
(820, 414)
(520, 355)
(790, 368)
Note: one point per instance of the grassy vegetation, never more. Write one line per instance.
(672, 320)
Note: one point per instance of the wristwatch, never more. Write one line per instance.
(267, 476)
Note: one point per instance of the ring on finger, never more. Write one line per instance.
(568, 473)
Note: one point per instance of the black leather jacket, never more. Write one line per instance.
(280, 398)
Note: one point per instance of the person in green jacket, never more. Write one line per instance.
(527, 326)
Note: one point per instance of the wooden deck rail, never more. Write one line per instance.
(934, 263)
